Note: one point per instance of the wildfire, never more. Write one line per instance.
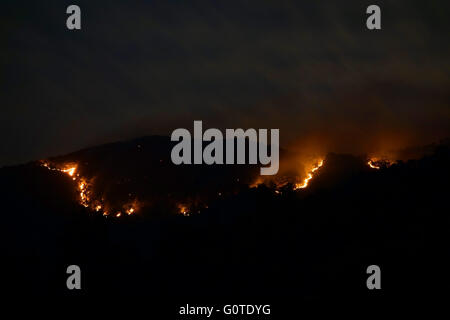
(378, 163)
(309, 176)
(84, 198)
(70, 171)
(372, 164)
(280, 182)
(84, 189)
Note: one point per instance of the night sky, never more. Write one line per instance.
(310, 68)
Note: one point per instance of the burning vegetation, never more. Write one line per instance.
(290, 178)
(377, 164)
(108, 197)
(310, 175)
(86, 195)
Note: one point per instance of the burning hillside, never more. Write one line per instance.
(135, 177)
(87, 197)
(392, 215)
(377, 163)
(310, 175)
(144, 181)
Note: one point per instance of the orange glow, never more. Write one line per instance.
(258, 181)
(371, 164)
(378, 163)
(283, 180)
(84, 199)
(84, 188)
(183, 209)
(69, 171)
(308, 177)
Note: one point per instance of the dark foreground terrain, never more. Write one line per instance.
(250, 244)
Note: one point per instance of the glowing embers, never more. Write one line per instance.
(308, 178)
(84, 198)
(107, 210)
(189, 207)
(131, 207)
(183, 209)
(129, 211)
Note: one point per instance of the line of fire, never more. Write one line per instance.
(88, 199)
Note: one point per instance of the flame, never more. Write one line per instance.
(309, 177)
(84, 198)
(70, 171)
(289, 179)
(69, 168)
(84, 188)
(372, 164)
(378, 163)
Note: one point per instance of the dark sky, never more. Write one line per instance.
(310, 68)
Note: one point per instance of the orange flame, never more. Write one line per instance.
(70, 171)
(84, 189)
(372, 164)
(309, 177)
(378, 163)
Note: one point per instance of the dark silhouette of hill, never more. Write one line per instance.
(310, 244)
